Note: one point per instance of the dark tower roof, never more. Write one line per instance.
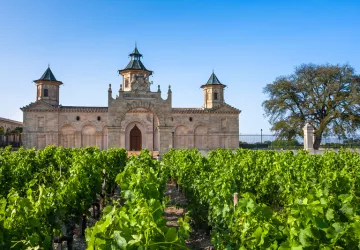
(213, 79)
(135, 62)
(48, 75)
(135, 52)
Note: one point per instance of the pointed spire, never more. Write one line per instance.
(135, 52)
(213, 79)
(135, 62)
(48, 75)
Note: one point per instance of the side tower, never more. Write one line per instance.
(41, 118)
(48, 88)
(213, 92)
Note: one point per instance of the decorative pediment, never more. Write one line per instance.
(225, 108)
(39, 106)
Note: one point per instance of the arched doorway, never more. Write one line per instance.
(135, 139)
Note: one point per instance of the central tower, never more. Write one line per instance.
(135, 75)
(139, 118)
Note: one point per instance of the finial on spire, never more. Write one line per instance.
(159, 88)
(109, 86)
(49, 65)
(169, 90)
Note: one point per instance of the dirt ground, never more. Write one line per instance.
(176, 209)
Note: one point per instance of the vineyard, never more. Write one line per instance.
(282, 200)
(286, 201)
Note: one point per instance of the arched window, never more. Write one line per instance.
(215, 96)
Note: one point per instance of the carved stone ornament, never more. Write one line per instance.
(140, 83)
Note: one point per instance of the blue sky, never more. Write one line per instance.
(247, 43)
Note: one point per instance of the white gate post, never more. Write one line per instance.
(308, 137)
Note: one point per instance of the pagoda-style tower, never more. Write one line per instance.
(135, 75)
(48, 88)
(213, 92)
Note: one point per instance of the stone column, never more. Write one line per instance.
(165, 134)
(114, 137)
(123, 140)
(149, 141)
(190, 140)
(98, 139)
(308, 137)
(78, 139)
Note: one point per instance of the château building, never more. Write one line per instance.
(136, 117)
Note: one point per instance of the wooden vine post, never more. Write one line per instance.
(236, 199)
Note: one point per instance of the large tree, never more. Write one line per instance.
(326, 96)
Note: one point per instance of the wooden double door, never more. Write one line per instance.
(135, 139)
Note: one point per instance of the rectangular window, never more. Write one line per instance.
(46, 92)
(215, 96)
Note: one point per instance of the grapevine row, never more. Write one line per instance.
(40, 191)
(287, 200)
(137, 222)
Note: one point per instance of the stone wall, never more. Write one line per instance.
(6, 127)
(67, 129)
(206, 130)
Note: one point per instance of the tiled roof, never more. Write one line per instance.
(203, 110)
(46, 107)
(82, 109)
(187, 110)
(10, 121)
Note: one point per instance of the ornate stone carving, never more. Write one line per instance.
(140, 83)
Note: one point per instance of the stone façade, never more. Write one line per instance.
(136, 118)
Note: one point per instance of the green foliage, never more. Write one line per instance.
(41, 190)
(326, 96)
(139, 223)
(287, 201)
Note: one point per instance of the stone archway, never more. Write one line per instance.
(88, 137)
(181, 137)
(200, 137)
(135, 139)
(130, 135)
(67, 136)
(118, 121)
